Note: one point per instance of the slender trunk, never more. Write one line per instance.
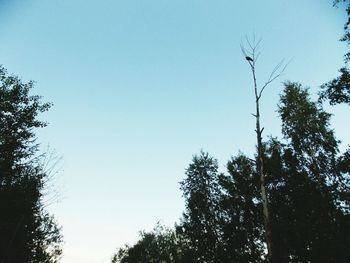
(260, 169)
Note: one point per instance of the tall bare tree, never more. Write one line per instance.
(251, 53)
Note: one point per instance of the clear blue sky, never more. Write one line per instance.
(140, 86)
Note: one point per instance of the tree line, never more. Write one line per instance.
(306, 195)
(308, 191)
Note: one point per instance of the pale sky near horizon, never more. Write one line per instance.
(139, 86)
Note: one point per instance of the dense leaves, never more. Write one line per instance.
(308, 190)
(313, 226)
(241, 212)
(27, 232)
(338, 90)
(201, 219)
(161, 245)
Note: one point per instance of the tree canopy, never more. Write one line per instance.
(307, 181)
(338, 90)
(28, 232)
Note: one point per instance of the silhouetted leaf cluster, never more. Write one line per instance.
(338, 90)
(27, 232)
(308, 190)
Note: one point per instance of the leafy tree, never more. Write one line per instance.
(338, 90)
(306, 188)
(27, 232)
(200, 223)
(308, 185)
(241, 212)
(161, 245)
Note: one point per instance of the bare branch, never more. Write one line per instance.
(252, 52)
(275, 73)
(248, 42)
(244, 51)
(257, 56)
(50, 168)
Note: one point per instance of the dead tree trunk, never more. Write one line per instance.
(251, 56)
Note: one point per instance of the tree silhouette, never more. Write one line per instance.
(160, 245)
(241, 212)
(200, 222)
(27, 232)
(338, 90)
(309, 213)
(307, 183)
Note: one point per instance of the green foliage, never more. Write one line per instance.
(161, 245)
(28, 232)
(306, 126)
(338, 90)
(306, 187)
(200, 223)
(241, 212)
